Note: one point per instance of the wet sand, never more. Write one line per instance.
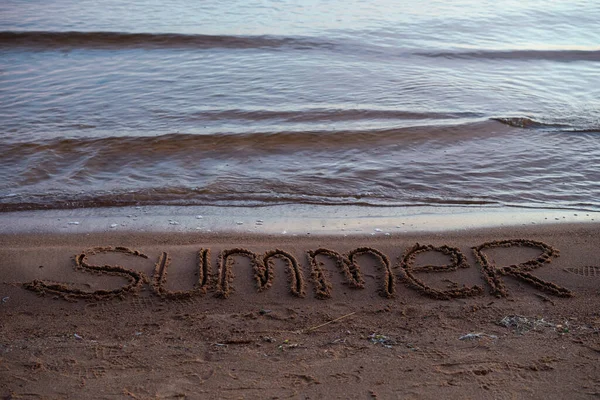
(239, 315)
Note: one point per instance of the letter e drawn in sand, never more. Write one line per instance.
(350, 271)
(135, 278)
(458, 260)
(492, 273)
(159, 277)
(388, 287)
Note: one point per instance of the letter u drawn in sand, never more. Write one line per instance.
(159, 277)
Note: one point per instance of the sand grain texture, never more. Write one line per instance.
(168, 326)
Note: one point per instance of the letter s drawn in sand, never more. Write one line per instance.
(135, 278)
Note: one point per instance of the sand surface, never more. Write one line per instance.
(162, 315)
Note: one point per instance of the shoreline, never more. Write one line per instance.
(284, 219)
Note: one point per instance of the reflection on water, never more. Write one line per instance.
(141, 102)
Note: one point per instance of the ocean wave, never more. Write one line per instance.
(526, 122)
(49, 40)
(183, 196)
(478, 163)
(121, 40)
(180, 143)
(260, 141)
(524, 55)
(531, 123)
(313, 115)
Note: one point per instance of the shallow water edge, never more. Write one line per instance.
(290, 220)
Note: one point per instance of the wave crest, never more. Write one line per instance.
(123, 40)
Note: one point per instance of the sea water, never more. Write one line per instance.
(379, 103)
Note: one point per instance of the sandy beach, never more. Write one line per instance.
(500, 312)
(294, 200)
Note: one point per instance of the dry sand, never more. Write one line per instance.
(403, 322)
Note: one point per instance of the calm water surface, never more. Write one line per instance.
(267, 102)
